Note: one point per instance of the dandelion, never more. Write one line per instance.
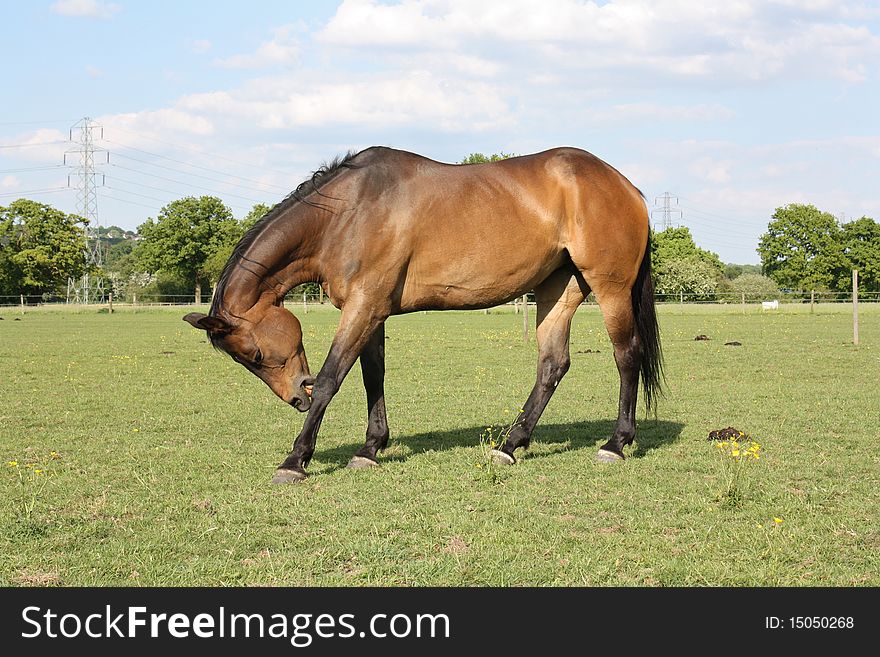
(38, 471)
(54, 455)
(778, 521)
(12, 464)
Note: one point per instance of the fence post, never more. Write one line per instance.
(681, 297)
(744, 302)
(110, 299)
(305, 305)
(21, 297)
(321, 294)
(525, 303)
(812, 300)
(856, 307)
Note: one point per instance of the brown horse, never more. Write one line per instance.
(387, 232)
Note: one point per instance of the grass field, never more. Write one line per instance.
(134, 454)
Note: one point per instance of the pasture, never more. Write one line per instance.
(134, 454)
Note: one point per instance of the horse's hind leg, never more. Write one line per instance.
(617, 310)
(558, 298)
(373, 370)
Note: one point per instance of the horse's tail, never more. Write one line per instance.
(651, 361)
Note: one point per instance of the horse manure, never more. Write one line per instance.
(728, 433)
(588, 351)
(17, 319)
(701, 337)
(167, 353)
(733, 343)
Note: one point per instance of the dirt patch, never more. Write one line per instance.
(37, 579)
(701, 337)
(728, 433)
(456, 546)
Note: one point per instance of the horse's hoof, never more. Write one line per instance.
(285, 476)
(358, 462)
(501, 458)
(606, 456)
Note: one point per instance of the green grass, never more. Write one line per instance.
(165, 448)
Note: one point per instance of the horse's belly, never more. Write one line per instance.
(475, 277)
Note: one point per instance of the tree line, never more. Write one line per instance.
(185, 247)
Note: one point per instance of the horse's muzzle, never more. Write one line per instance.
(302, 395)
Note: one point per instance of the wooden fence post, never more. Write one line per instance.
(110, 299)
(305, 305)
(856, 307)
(21, 297)
(812, 300)
(525, 305)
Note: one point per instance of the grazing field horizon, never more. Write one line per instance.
(133, 454)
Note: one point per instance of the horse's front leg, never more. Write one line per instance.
(373, 370)
(358, 323)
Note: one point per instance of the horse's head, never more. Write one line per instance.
(268, 342)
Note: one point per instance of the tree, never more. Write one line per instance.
(689, 276)
(678, 244)
(40, 248)
(802, 249)
(732, 271)
(257, 212)
(185, 235)
(860, 241)
(479, 158)
(755, 286)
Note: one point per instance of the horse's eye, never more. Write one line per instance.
(258, 357)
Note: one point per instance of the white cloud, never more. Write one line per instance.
(166, 123)
(749, 40)
(85, 8)
(282, 49)
(94, 72)
(9, 182)
(201, 46)
(415, 98)
(660, 112)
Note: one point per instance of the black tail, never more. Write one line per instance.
(651, 365)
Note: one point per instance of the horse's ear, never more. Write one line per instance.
(208, 323)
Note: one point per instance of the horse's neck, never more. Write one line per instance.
(281, 257)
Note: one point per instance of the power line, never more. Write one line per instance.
(158, 189)
(66, 121)
(177, 182)
(36, 191)
(189, 164)
(34, 143)
(48, 167)
(203, 152)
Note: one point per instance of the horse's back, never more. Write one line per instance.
(480, 234)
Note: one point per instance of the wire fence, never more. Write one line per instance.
(315, 300)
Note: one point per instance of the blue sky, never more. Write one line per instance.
(735, 108)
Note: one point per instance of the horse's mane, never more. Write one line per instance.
(311, 186)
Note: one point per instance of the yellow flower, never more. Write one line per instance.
(54, 455)
(777, 520)
(735, 452)
(12, 464)
(38, 471)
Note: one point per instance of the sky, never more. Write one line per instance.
(733, 108)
